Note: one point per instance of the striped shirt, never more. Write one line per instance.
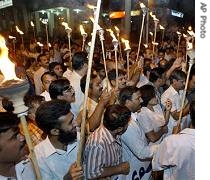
(102, 150)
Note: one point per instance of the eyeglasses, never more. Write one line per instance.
(70, 89)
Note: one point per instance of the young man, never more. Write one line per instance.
(12, 150)
(46, 79)
(174, 94)
(176, 154)
(58, 151)
(56, 67)
(136, 149)
(44, 64)
(103, 151)
(79, 65)
(61, 89)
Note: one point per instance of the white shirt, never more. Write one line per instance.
(46, 95)
(151, 120)
(176, 156)
(142, 81)
(135, 149)
(24, 171)
(176, 99)
(74, 79)
(37, 80)
(54, 163)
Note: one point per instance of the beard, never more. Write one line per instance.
(67, 137)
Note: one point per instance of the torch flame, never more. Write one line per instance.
(12, 37)
(178, 33)
(127, 46)
(32, 24)
(161, 27)
(92, 19)
(151, 33)
(40, 44)
(65, 25)
(91, 6)
(142, 5)
(117, 29)
(82, 30)
(6, 66)
(112, 35)
(19, 31)
(184, 35)
(190, 28)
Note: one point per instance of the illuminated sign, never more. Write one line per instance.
(5, 3)
(121, 14)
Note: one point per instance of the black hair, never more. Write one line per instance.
(8, 120)
(47, 73)
(52, 66)
(7, 105)
(57, 87)
(39, 57)
(83, 81)
(116, 116)
(177, 75)
(78, 60)
(147, 93)
(126, 93)
(112, 74)
(48, 114)
(155, 74)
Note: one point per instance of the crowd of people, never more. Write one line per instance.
(131, 118)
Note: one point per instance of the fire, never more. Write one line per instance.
(19, 31)
(117, 29)
(93, 21)
(6, 66)
(91, 6)
(112, 35)
(161, 27)
(82, 30)
(142, 5)
(127, 46)
(65, 25)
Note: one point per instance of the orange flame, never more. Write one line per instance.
(127, 46)
(6, 66)
(82, 30)
(112, 35)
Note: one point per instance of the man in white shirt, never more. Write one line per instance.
(174, 93)
(79, 65)
(12, 150)
(176, 154)
(46, 79)
(134, 142)
(44, 63)
(58, 151)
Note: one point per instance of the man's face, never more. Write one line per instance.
(58, 70)
(180, 84)
(97, 86)
(11, 146)
(122, 81)
(47, 79)
(67, 131)
(69, 94)
(135, 103)
(44, 62)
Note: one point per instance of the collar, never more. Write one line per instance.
(188, 131)
(172, 90)
(48, 149)
(108, 135)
